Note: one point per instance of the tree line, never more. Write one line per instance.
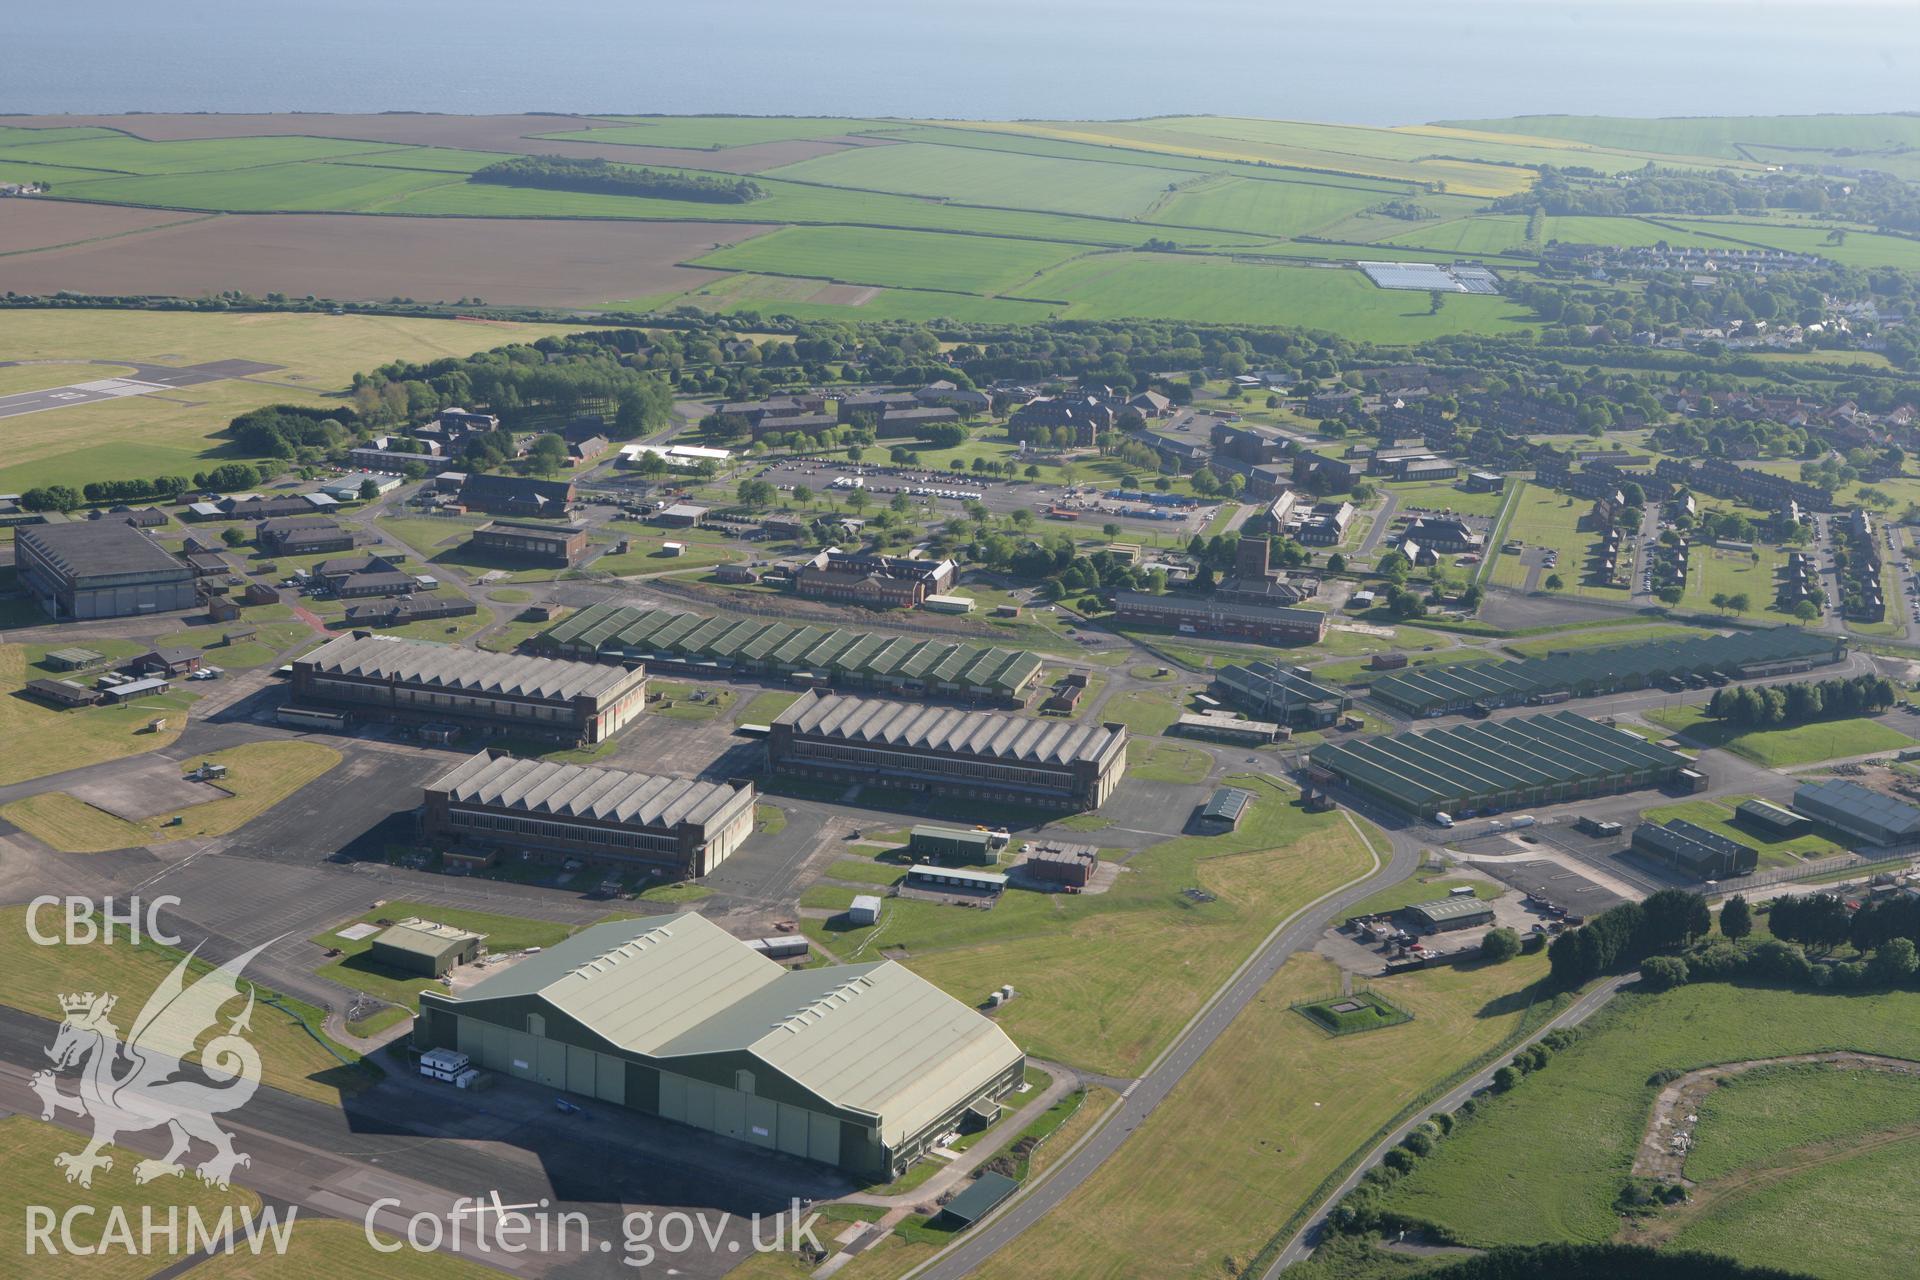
(568, 173)
(1801, 701)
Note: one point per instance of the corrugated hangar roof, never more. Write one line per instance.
(922, 727)
(577, 791)
(874, 1038)
(424, 663)
(627, 631)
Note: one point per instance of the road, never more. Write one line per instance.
(1299, 932)
(1303, 1243)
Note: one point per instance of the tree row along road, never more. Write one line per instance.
(1299, 931)
(1309, 1236)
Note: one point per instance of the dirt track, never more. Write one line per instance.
(539, 262)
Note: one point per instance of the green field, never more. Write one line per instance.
(1228, 291)
(974, 176)
(1154, 761)
(909, 259)
(1784, 748)
(1106, 979)
(718, 132)
(813, 299)
(1545, 518)
(1268, 207)
(1546, 1161)
(1202, 1197)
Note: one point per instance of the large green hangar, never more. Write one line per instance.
(863, 1066)
(1541, 759)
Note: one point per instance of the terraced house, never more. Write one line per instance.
(417, 680)
(948, 751)
(667, 640)
(681, 825)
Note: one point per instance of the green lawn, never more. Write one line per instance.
(766, 705)
(1105, 979)
(910, 259)
(1784, 748)
(1546, 518)
(1152, 761)
(1148, 713)
(1546, 1161)
(1717, 815)
(1714, 571)
(974, 175)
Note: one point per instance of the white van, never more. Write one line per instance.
(1442, 819)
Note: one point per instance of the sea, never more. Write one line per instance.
(1352, 61)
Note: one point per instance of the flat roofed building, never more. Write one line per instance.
(948, 750)
(865, 909)
(1447, 914)
(1695, 851)
(708, 646)
(294, 537)
(423, 947)
(1224, 726)
(963, 879)
(99, 569)
(1072, 865)
(683, 824)
(862, 1066)
(581, 701)
(1859, 811)
(1199, 615)
(1541, 759)
(551, 544)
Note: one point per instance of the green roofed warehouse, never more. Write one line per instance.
(1583, 673)
(862, 1066)
(1540, 759)
(703, 645)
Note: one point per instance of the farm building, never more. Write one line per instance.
(863, 1067)
(551, 544)
(684, 825)
(950, 845)
(706, 646)
(1581, 673)
(1226, 809)
(578, 701)
(1445, 915)
(1859, 811)
(1693, 850)
(949, 751)
(1541, 759)
(99, 569)
(423, 947)
(1770, 819)
(1274, 692)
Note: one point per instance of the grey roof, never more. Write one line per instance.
(424, 937)
(576, 791)
(919, 726)
(1172, 603)
(422, 663)
(1226, 804)
(1855, 807)
(873, 1038)
(1452, 908)
(91, 548)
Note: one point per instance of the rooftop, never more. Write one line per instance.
(422, 662)
(919, 726)
(424, 937)
(99, 548)
(578, 791)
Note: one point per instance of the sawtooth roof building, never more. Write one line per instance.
(1543, 759)
(682, 825)
(1436, 690)
(858, 1066)
(415, 679)
(712, 647)
(975, 754)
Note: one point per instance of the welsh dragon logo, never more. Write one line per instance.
(144, 1083)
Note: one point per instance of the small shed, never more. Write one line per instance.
(424, 947)
(865, 909)
(979, 1199)
(1225, 809)
(72, 659)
